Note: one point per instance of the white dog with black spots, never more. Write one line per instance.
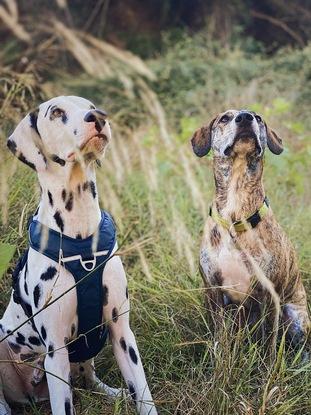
(61, 141)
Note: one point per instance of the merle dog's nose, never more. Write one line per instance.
(97, 116)
(244, 117)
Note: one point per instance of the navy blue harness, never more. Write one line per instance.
(86, 266)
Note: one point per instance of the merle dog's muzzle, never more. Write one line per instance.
(245, 131)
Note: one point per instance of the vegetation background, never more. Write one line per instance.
(162, 69)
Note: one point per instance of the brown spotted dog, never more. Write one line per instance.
(241, 225)
(62, 141)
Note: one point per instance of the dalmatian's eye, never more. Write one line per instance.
(92, 107)
(57, 112)
(224, 118)
(259, 119)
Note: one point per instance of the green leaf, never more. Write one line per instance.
(281, 105)
(6, 254)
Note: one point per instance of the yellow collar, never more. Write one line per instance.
(243, 224)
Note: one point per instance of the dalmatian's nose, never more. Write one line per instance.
(97, 116)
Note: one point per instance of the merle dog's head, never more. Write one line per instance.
(62, 130)
(234, 133)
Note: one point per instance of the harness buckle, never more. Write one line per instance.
(92, 262)
(87, 264)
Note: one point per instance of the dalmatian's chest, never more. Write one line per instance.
(37, 283)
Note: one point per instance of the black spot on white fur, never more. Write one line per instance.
(26, 287)
(64, 195)
(132, 390)
(20, 338)
(50, 198)
(51, 350)
(93, 189)
(69, 203)
(66, 341)
(49, 274)
(59, 220)
(105, 295)
(33, 120)
(46, 112)
(127, 293)
(13, 148)
(34, 340)
(43, 333)
(115, 315)
(123, 343)
(133, 355)
(37, 295)
(78, 236)
(67, 406)
(58, 160)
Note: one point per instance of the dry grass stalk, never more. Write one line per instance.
(144, 264)
(197, 197)
(155, 108)
(77, 48)
(124, 57)
(10, 19)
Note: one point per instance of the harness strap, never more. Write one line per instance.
(86, 266)
(242, 224)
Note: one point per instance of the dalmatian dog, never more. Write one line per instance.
(61, 141)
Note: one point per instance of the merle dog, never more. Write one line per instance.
(242, 237)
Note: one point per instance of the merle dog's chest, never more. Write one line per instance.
(229, 264)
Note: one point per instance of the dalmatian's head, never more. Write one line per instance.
(236, 132)
(62, 130)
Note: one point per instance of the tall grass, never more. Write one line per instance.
(154, 186)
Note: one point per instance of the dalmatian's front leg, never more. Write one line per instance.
(116, 313)
(58, 377)
(56, 361)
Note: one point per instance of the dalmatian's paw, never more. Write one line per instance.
(113, 393)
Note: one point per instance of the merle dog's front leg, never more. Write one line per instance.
(116, 312)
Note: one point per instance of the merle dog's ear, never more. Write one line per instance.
(274, 141)
(24, 143)
(202, 139)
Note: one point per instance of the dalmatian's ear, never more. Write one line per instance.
(24, 143)
(202, 139)
(274, 142)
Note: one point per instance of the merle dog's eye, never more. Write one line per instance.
(259, 119)
(57, 112)
(224, 118)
